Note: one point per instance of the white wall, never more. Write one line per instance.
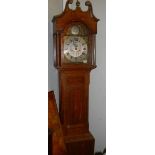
(97, 95)
(54, 8)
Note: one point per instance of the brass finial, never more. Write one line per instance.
(77, 3)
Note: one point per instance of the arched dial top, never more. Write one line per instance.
(76, 44)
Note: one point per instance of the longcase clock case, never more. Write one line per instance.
(74, 35)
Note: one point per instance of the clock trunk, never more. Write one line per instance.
(74, 99)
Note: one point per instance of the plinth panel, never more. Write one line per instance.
(80, 145)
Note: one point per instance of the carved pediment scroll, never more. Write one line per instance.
(77, 15)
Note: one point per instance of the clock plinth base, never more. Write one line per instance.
(80, 145)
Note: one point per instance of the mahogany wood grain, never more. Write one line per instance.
(74, 80)
(56, 139)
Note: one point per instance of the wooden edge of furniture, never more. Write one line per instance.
(56, 139)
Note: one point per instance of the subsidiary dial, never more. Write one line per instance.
(75, 30)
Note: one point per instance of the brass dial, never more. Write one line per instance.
(75, 48)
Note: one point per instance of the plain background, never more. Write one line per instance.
(129, 72)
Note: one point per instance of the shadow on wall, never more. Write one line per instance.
(101, 153)
(52, 72)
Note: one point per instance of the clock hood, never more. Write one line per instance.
(68, 16)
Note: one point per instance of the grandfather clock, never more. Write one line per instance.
(74, 35)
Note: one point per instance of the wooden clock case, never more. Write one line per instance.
(74, 80)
